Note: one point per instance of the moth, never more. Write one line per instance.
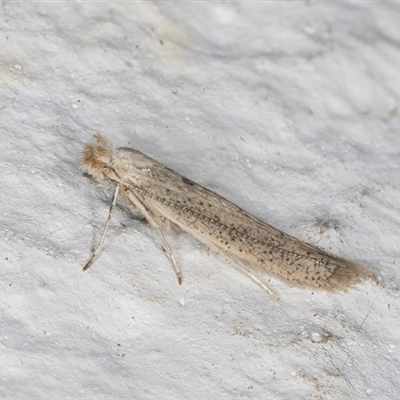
(169, 201)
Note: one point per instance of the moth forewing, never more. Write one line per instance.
(167, 199)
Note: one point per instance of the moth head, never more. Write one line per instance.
(97, 158)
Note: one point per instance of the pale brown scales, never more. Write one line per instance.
(173, 201)
(284, 256)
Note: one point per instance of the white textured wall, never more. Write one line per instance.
(291, 110)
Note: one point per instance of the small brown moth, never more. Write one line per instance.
(170, 201)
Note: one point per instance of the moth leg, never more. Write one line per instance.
(254, 278)
(133, 201)
(101, 241)
(170, 256)
(262, 284)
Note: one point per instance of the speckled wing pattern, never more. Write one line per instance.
(173, 201)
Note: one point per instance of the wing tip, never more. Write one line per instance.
(348, 274)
